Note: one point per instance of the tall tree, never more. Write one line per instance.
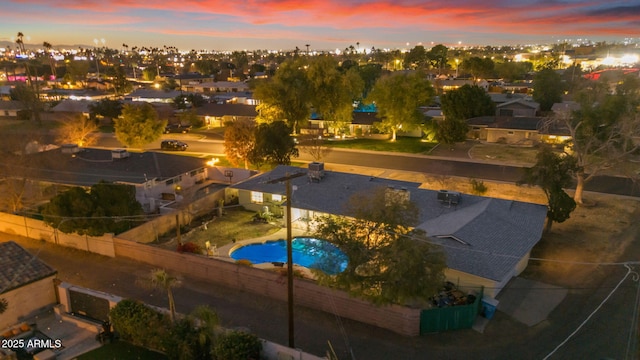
(553, 173)
(383, 251)
(458, 106)
(603, 130)
(333, 91)
(138, 125)
(239, 141)
(398, 98)
(274, 144)
(78, 130)
(547, 88)
(415, 58)
(437, 57)
(478, 67)
(105, 208)
(287, 91)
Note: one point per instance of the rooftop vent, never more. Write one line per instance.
(119, 154)
(449, 197)
(70, 148)
(316, 171)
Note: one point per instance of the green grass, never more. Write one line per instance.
(402, 144)
(236, 223)
(122, 351)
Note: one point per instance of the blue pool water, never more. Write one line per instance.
(308, 252)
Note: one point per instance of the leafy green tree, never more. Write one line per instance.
(398, 98)
(138, 125)
(274, 144)
(478, 67)
(76, 72)
(119, 79)
(383, 250)
(458, 106)
(288, 92)
(369, 73)
(139, 324)
(107, 207)
(78, 130)
(415, 58)
(547, 88)
(552, 173)
(107, 108)
(190, 117)
(511, 70)
(29, 100)
(467, 102)
(333, 91)
(237, 345)
(239, 141)
(602, 130)
(437, 57)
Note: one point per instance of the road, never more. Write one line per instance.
(460, 167)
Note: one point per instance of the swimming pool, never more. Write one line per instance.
(308, 252)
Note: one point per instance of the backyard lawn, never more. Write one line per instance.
(402, 144)
(236, 224)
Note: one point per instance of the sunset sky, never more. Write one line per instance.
(323, 24)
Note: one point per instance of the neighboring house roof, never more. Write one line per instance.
(19, 267)
(565, 106)
(532, 123)
(73, 106)
(153, 94)
(90, 166)
(486, 226)
(519, 103)
(500, 98)
(211, 109)
(11, 105)
(365, 118)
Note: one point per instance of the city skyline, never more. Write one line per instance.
(322, 25)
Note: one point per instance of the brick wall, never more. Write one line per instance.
(402, 320)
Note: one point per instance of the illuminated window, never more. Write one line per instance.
(256, 197)
(276, 198)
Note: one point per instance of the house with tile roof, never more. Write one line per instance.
(487, 241)
(26, 283)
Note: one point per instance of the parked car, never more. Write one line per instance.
(177, 128)
(173, 145)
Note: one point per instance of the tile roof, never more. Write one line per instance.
(90, 166)
(484, 227)
(19, 267)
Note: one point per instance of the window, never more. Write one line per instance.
(256, 197)
(276, 198)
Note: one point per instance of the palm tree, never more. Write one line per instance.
(206, 321)
(159, 279)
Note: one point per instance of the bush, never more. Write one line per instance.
(478, 186)
(238, 345)
(190, 247)
(139, 324)
(244, 262)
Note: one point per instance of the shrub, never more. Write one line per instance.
(190, 247)
(237, 345)
(478, 186)
(139, 324)
(244, 262)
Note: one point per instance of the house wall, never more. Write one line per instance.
(468, 282)
(28, 301)
(402, 320)
(511, 136)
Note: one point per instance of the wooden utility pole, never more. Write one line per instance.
(287, 178)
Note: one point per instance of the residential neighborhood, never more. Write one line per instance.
(156, 160)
